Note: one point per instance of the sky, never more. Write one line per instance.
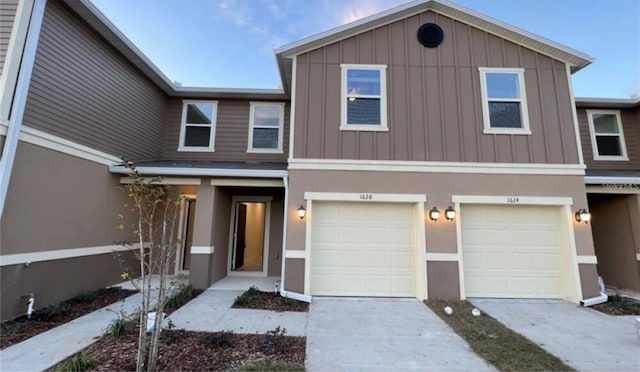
(229, 43)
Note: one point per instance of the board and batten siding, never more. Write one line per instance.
(232, 133)
(434, 101)
(8, 9)
(630, 127)
(83, 90)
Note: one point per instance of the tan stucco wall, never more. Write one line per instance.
(438, 189)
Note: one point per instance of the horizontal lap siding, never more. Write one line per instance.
(434, 101)
(83, 90)
(631, 129)
(232, 131)
(8, 10)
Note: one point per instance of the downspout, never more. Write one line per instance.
(283, 291)
(20, 100)
(598, 299)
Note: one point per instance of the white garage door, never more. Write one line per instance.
(511, 251)
(362, 249)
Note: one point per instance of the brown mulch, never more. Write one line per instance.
(182, 350)
(20, 329)
(618, 305)
(258, 300)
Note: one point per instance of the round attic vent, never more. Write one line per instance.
(430, 35)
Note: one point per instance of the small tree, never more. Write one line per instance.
(156, 208)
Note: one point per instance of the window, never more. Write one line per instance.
(607, 137)
(198, 128)
(364, 97)
(265, 127)
(504, 102)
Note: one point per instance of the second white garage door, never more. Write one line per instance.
(362, 249)
(511, 251)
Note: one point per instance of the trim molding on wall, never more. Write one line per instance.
(594, 180)
(638, 256)
(365, 197)
(455, 257)
(291, 253)
(574, 114)
(60, 254)
(176, 181)
(511, 199)
(436, 167)
(216, 172)
(49, 141)
(592, 260)
(247, 182)
(198, 249)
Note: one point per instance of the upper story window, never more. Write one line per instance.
(198, 128)
(266, 122)
(364, 97)
(607, 137)
(504, 102)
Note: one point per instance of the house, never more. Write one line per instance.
(428, 151)
(610, 133)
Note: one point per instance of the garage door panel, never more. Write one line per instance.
(511, 251)
(369, 250)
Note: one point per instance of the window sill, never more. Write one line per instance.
(196, 149)
(364, 128)
(522, 132)
(264, 151)
(611, 158)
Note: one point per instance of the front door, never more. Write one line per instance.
(249, 240)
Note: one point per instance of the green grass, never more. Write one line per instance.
(79, 362)
(497, 344)
(272, 366)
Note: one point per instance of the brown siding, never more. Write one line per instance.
(232, 131)
(84, 91)
(434, 101)
(8, 10)
(631, 129)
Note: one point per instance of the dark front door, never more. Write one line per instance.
(240, 233)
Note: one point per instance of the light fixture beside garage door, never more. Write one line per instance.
(449, 214)
(301, 211)
(583, 215)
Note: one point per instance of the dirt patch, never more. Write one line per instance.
(619, 305)
(253, 298)
(20, 329)
(182, 350)
(497, 344)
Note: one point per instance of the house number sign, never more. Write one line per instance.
(513, 200)
(366, 197)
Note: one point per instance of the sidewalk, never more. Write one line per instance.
(49, 348)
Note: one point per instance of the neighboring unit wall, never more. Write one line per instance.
(8, 10)
(630, 127)
(231, 137)
(57, 203)
(434, 100)
(83, 90)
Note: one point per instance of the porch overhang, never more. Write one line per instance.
(204, 169)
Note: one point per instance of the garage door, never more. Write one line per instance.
(362, 249)
(511, 251)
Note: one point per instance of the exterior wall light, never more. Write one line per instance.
(450, 213)
(434, 214)
(301, 211)
(583, 215)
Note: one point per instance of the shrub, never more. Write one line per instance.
(83, 298)
(51, 312)
(274, 341)
(250, 295)
(183, 295)
(79, 362)
(120, 327)
(218, 340)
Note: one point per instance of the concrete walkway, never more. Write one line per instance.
(584, 338)
(212, 312)
(49, 348)
(383, 335)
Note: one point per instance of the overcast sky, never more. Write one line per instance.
(229, 43)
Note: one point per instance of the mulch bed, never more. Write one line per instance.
(20, 329)
(618, 305)
(182, 350)
(258, 300)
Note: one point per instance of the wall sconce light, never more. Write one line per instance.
(450, 213)
(583, 215)
(301, 211)
(434, 214)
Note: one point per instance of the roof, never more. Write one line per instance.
(205, 168)
(591, 102)
(575, 59)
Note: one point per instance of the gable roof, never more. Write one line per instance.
(575, 59)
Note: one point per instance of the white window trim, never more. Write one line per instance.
(525, 130)
(183, 125)
(250, 148)
(594, 144)
(383, 99)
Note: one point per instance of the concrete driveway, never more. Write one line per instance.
(584, 338)
(383, 334)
